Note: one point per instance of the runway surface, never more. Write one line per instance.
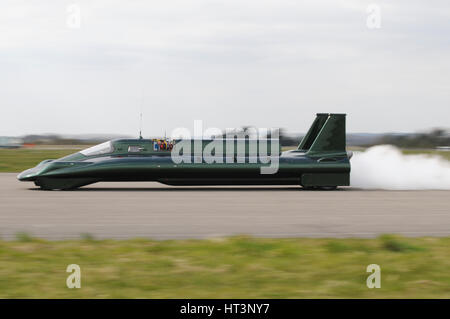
(152, 210)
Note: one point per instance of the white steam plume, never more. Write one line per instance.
(385, 167)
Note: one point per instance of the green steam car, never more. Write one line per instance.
(320, 161)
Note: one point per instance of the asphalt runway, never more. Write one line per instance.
(152, 210)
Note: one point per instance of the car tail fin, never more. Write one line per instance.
(326, 135)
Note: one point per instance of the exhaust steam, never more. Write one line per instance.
(385, 167)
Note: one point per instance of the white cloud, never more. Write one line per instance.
(229, 63)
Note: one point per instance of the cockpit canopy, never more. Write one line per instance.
(130, 146)
(99, 149)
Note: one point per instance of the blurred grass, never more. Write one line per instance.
(235, 267)
(17, 160)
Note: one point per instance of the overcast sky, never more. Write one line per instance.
(229, 63)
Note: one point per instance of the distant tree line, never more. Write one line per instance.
(58, 140)
(432, 139)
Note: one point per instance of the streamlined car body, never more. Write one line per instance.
(320, 161)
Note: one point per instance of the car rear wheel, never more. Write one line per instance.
(319, 188)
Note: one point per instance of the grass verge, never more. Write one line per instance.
(18, 160)
(235, 267)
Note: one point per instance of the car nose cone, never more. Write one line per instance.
(26, 175)
(29, 174)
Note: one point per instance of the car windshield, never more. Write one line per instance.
(98, 149)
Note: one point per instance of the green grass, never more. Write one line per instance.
(17, 160)
(236, 267)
